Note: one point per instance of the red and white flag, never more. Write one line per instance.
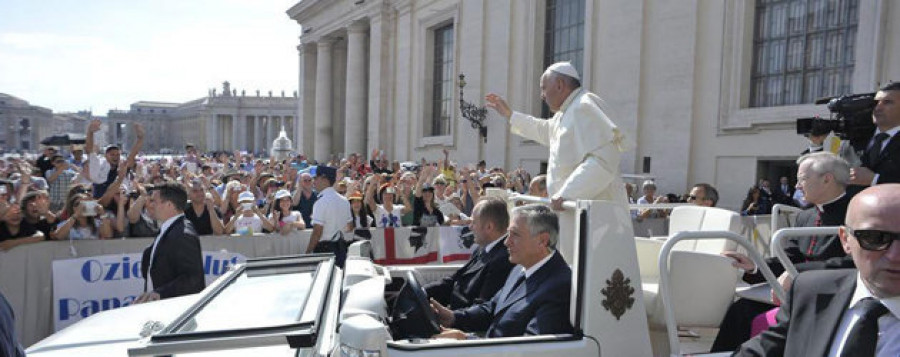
(407, 245)
(457, 244)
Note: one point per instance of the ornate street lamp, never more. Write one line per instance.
(474, 114)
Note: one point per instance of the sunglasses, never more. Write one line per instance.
(873, 239)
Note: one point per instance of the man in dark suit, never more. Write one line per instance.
(174, 261)
(823, 176)
(487, 269)
(881, 160)
(846, 312)
(784, 193)
(535, 298)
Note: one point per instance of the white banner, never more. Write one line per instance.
(85, 286)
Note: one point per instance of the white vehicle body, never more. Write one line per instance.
(345, 311)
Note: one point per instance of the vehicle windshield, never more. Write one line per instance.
(270, 297)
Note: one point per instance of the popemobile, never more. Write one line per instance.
(306, 306)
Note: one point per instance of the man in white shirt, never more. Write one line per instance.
(330, 216)
(102, 170)
(846, 312)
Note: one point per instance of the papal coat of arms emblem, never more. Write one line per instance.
(619, 294)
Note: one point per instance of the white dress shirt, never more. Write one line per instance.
(491, 245)
(332, 212)
(99, 168)
(530, 271)
(888, 324)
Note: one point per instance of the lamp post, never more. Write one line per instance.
(474, 114)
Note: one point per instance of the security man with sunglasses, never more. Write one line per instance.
(846, 312)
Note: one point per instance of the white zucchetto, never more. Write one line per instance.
(565, 68)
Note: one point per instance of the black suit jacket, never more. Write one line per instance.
(178, 263)
(538, 306)
(476, 282)
(780, 196)
(809, 317)
(888, 164)
(826, 253)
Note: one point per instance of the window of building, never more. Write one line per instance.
(802, 50)
(563, 35)
(442, 82)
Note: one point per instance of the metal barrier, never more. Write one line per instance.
(664, 288)
(785, 233)
(782, 209)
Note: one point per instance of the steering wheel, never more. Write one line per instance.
(412, 316)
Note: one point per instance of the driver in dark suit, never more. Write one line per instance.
(173, 265)
(535, 298)
(487, 269)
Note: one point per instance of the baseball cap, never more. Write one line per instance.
(282, 194)
(246, 196)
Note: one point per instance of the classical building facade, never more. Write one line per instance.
(226, 120)
(709, 89)
(22, 125)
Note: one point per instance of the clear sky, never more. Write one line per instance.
(70, 55)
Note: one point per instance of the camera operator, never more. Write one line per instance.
(881, 159)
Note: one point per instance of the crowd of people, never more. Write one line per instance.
(102, 194)
(96, 194)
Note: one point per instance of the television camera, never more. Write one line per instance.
(851, 119)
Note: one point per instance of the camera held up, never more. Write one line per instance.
(851, 119)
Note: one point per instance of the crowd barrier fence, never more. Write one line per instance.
(26, 274)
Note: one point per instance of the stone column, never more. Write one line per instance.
(323, 100)
(271, 132)
(237, 132)
(297, 134)
(304, 125)
(212, 133)
(355, 105)
(257, 134)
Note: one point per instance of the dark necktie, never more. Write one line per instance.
(863, 336)
(875, 150)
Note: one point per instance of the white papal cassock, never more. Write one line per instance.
(585, 148)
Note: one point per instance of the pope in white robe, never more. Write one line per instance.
(585, 145)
